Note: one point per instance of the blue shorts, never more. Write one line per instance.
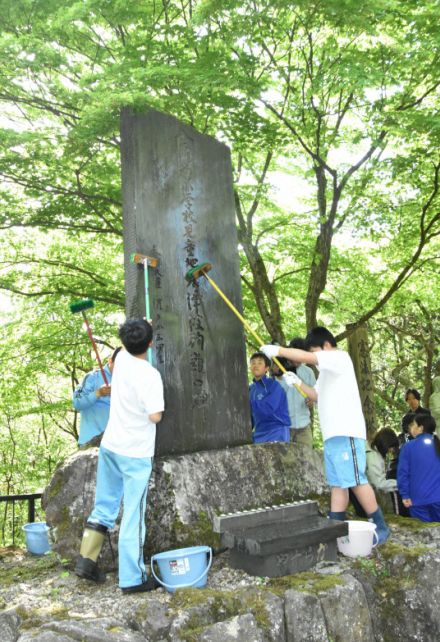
(345, 461)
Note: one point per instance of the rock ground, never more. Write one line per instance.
(53, 604)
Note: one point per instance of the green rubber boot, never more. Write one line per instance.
(91, 545)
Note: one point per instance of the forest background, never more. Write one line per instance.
(331, 111)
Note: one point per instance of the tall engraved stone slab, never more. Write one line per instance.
(178, 206)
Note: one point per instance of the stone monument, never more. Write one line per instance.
(178, 206)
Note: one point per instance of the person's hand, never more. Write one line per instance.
(270, 350)
(103, 391)
(407, 503)
(292, 379)
(309, 402)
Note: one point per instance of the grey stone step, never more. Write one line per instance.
(264, 515)
(286, 563)
(288, 535)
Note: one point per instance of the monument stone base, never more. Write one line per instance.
(187, 492)
(280, 540)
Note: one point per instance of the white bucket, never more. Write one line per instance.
(359, 541)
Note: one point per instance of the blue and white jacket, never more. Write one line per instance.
(418, 471)
(94, 412)
(270, 414)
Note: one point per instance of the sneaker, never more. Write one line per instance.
(89, 570)
(150, 585)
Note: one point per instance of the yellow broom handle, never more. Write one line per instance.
(246, 325)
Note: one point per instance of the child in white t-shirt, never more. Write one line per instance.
(125, 462)
(341, 420)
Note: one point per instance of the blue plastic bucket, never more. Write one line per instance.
(37, 541)
(183, 567)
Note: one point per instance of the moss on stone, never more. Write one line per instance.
(307, 582)
(65, 523)
(55, 487)
(220, 606)
(28, 570)
(410, 524)
(199, 532)
(323, 502)
(32, 618)
(409, 553)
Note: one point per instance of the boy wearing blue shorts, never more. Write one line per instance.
(341, 419)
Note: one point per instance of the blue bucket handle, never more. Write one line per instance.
(174, 586)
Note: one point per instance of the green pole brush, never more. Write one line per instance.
(82, 306)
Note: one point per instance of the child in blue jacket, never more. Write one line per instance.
(270, 413)
(418, 472)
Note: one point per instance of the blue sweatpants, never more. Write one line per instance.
(124, 477)
(426, 512)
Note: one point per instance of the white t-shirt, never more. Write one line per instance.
(137, 392)
(339, 403)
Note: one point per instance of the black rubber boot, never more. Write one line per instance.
(88, 569)
(150, 585)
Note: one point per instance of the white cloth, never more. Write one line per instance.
(137, 392)
(339, 403)
(292, 379)
(270, 350)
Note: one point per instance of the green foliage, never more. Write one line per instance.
(336, 101)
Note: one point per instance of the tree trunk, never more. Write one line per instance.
(360, 353)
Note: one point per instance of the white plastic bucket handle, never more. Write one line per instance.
(375, 535)
(175, 586)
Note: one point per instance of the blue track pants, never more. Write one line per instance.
(426, 513)
(124, 477)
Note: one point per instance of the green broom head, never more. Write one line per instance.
(197, 271)
(80, 306)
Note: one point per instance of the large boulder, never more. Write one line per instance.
(186, 491)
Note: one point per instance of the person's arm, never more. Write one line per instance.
(152, 395)
(299, 356)
(310, 380)
(376, 472)
(292, 379)
(403, 476)
(294, 354)
(87, 394)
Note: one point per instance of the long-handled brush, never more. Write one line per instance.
(201, 270)
(82, 306)
(146, 262)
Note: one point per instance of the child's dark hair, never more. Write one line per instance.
(284, 362)
(412, 391)
(115, 353)
(318, 336)
(427, 422)
(136, 335)
(385, 439)
(261, 355)
(299, 343)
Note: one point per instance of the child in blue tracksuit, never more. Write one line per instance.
(269, 409)
(92, 400)
(125, 462)
(418, 471)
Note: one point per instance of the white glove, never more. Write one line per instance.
(292, 379)
(270, 350)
